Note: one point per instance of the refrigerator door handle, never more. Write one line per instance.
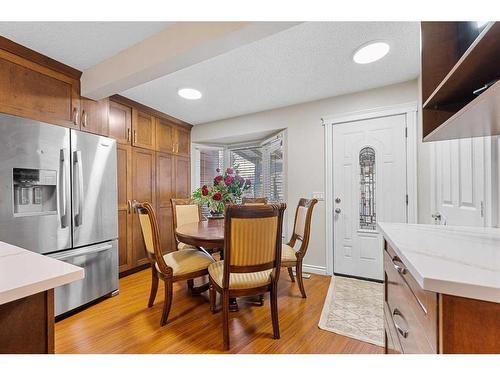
(62, 189)
(88, 250)
(77, 160)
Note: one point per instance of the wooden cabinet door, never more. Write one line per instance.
(182, 142)
(143, 130)
(182, 176)
(120, 122)
(165, 136)
(33, 91)
(143, 190)
(164, 192)
(94, 116)
(124, 171)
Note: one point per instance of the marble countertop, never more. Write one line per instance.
(24, 273)
(460, 261)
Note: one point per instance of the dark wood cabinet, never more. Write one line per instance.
(165, 190)
(143, 190)
(120, 122)
(34, 91)
(143, 130)
(182, 176)
(94, 116)
(124, 171)
(459, 69)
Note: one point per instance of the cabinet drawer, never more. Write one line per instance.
(415, 328)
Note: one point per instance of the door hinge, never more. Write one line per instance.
(406, 132)
(482, 209)
(407, 199)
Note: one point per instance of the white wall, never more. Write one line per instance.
(305, 146)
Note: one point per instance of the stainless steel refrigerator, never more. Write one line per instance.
(58, 196)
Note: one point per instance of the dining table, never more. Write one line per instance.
(207, 235)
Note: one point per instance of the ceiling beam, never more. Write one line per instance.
(174, 48)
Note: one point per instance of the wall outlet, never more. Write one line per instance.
(319, 195)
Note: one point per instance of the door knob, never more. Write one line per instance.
(337, 210)
(337, 200)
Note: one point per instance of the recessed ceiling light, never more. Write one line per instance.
(370, 52)
(480, 24)
(190, 94)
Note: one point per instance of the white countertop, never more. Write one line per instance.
(460, 261)
(24, 273)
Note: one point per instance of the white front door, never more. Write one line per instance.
(458, 181)
(369, 185)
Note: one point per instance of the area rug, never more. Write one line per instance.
(354, 308)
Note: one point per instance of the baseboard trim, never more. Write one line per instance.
(318, 270)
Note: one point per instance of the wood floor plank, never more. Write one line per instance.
(124, 324)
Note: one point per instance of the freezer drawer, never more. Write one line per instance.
(101, 275)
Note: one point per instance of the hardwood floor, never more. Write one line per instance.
(124, 324)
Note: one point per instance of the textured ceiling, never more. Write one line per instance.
(307, 62)
(79, 44)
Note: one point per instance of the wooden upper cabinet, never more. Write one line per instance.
(94, 116)
(120, 122)
(165, 136)
(182, 141)
(31, 90)
(143, 130)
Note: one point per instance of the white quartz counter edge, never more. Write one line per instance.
(434, 284)
(24, 273)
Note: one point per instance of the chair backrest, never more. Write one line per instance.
(185, 211)
(302, 223)
(254, 201)
(252, 238)
(150, 234)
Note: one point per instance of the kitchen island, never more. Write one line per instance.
(27, 282)
(442, 288)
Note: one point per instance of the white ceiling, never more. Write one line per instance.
(79, 44)
(307, 62)
(303, 63)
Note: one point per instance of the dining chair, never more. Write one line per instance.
(178, 265)
(184, 211)
(250, 201)
(301, 232)
(251, 265)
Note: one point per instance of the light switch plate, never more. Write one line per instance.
(319, 195)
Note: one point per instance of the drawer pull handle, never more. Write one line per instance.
(403, 332)
(400, 269)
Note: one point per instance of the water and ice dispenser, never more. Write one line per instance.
(35, 191)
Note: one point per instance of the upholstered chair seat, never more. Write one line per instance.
(186, 261)
(185, 246)
(288, 257)
(292, 254)
(239, 280)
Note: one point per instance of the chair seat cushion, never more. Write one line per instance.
(187, 261)
(239, 280)
(288, 255)
(185, 246)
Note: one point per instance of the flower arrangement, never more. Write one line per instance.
(227, 188)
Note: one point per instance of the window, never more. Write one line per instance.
(367, 216)
(263, 165)
(210, 158)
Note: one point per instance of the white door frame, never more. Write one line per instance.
(407, 109)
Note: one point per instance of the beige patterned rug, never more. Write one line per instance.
(354, 308)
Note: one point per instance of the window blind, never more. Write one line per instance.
(210, 160)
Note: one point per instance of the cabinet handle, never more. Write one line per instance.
(135, 137)
(400, 269)
(403, 332)
(75, 116)
(128, 135)
(176, 148)
(129, 206)
(84, 118)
